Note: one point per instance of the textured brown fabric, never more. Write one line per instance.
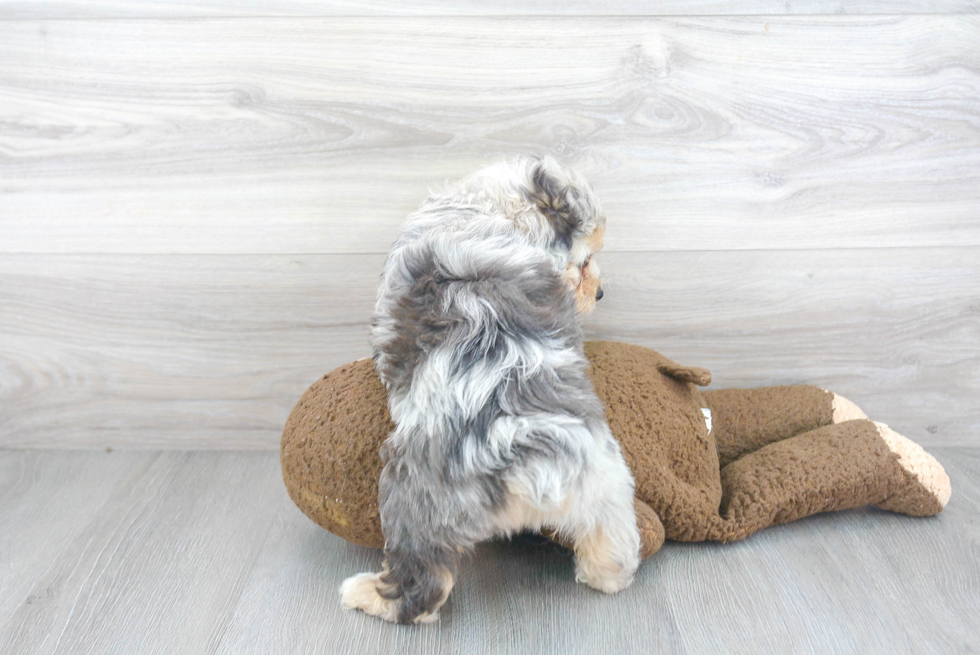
(695, 374)
(744, 420)
(659, 424)
(329, 452)
(771, 457)
(831, 468)
(651, 529)
(911, 498)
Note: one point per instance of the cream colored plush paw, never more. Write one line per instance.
(845, 410)
(930, 489)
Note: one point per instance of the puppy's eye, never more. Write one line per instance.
(587, 261)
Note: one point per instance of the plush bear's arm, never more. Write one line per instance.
(651, 529)
(744, 420)
(693, 374)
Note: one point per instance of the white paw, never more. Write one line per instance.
(845, 410)
(608, 580)
(360, 592)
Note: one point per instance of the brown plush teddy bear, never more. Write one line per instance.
(717, 465)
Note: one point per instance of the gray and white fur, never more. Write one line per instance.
(476, 335)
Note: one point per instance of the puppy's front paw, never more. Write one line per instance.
(608, 577)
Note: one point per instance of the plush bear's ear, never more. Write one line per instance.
(554, 197)
(695, 374)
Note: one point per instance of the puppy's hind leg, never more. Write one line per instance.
(410, 589)
(422, 553)
(606, 537)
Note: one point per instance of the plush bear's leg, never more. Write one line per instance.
(926, 490)
(839, 466)
(744, 420)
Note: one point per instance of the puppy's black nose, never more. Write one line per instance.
(598, 294)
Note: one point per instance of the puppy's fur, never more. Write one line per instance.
(477, 338)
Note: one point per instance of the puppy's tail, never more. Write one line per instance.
(411, 588)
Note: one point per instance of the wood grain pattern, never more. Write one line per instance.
(213, 351)
(49, 9)
(205, 553)
(46, 504)
(166, 351)
(159, 565)
(316, 135)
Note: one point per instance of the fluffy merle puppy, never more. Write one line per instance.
(477, 337)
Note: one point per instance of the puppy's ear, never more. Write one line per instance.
(554, 198)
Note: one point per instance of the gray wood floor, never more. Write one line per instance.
(203, 552)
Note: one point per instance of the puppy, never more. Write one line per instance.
(477, 337)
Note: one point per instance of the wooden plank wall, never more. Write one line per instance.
(196, 198)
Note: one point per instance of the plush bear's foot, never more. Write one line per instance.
(844, 409)
(927, 487)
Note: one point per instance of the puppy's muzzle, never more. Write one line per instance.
(598, 294)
